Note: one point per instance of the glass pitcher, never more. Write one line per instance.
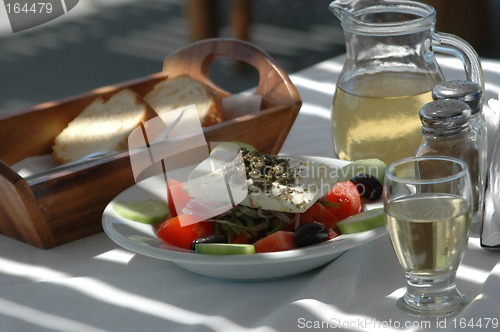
(388, 75)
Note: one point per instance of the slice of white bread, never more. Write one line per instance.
(104, 125)
(181, 91)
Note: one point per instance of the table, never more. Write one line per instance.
(94, 285)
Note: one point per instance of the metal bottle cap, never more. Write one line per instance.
(469, 92)
(445, 117)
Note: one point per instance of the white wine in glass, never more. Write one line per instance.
(428, 220)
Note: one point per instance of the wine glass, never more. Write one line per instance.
(427, 202)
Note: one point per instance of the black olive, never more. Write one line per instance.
(213, 238)
(368, 186)
(310, 233)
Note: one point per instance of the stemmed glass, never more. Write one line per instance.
(427, 202)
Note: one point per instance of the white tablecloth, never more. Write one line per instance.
(94, 285)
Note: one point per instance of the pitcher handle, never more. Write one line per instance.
(453, 45)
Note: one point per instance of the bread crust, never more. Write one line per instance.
(103, 125)
(165, 94)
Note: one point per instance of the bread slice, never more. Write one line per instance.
(181, 91)
(104, 125)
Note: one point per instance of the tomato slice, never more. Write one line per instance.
(332, 234)
(277, 241)
(319, 213)
(343, 200)
(240, 239)
(173, 233)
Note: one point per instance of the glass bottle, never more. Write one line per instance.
(470, 93)
(447, 132)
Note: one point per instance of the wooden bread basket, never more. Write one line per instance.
(68, 205)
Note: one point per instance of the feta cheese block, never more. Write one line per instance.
(218, 183)
(311, 181)
(258, 181)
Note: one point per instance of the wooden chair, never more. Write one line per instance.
(203, 20)
(464, 18)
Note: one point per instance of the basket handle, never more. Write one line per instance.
(195, 59)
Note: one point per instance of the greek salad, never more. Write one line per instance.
(280, 212)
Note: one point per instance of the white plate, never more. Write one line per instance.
(141, 238)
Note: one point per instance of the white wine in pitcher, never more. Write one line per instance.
(388, 74)
(380, 120)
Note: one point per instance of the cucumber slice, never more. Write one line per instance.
(247, 146)
(224, 249)
(373, 167)
(231, 146)
(363, 221)
(147, 212)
